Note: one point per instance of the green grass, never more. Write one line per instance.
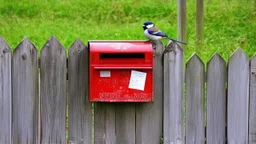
(228, 24)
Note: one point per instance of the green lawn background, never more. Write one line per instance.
(228, 24)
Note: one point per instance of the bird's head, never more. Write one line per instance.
(147, 25)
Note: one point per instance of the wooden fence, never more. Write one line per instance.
(219, 104)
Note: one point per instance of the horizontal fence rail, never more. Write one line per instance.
(45, 100)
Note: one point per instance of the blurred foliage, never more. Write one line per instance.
(228, 24)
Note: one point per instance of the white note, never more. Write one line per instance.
(104, 73)
(137, 80)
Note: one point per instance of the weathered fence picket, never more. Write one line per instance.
(149, 116)
(216, 100)
(27, 117)
(195, 78)
(252, 116)
(125, 123)
(53, 92)
(25, 94)
(79, 107)
(104, 123)
(173, 95)
(238, 98)
(5, 92)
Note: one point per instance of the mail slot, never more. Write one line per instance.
(121, 71)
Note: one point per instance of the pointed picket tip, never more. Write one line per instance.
(238, 53)
(26, 40)
(173, 47)
(194, 58)
(157, 42)
(53, 39)
(178, 47)
(158, 46)
(2, 40)
(253, 58)
(25, 44)
(53, 43)
(77, 46)
(216, 56)
(4, 46)
(78, 40)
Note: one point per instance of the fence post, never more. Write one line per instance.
(25, 98)
(5, 92)
(182, 21)
(199, 23)
(173, 94)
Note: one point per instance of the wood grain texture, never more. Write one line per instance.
(199, 23)
(173, 95)
(238, 97)
(53, 92)
(216, 100)
(25, 96)
(195, 100)
(252, 116)
(182, 20)
(104, 123)
(149, 116)
(125, 123)
(5, 92)
(79, 106)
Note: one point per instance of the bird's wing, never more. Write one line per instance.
(154, 28)
(157, 33)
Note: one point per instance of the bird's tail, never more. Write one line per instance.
(177, 41)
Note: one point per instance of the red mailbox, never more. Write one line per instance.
(121, 71)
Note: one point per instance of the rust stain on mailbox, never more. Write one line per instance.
(121, 71)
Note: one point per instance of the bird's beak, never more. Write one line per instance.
(143, 25)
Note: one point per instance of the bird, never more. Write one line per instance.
(153, 33)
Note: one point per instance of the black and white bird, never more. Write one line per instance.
(153, 33)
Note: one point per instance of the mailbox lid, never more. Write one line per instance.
(110, 54)
(120, 46)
